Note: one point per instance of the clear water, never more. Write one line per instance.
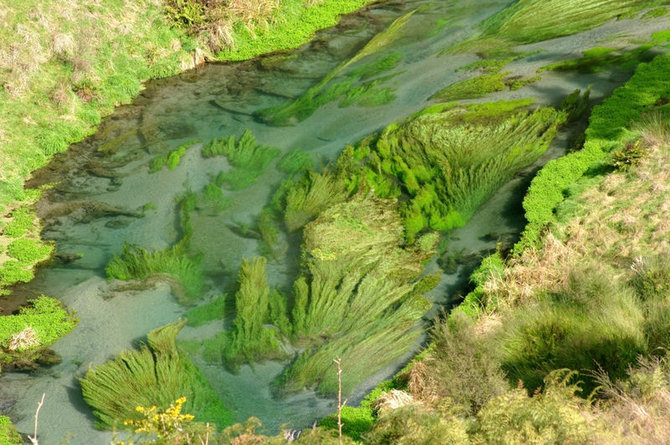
(217, 100)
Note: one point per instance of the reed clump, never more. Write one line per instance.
(155, 374)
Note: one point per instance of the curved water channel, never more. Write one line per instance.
(99, 201)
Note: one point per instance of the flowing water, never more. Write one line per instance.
(101, 201)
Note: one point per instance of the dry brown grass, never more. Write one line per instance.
(627, 216)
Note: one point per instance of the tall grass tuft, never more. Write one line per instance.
(250, 340)
(155, 374)
(136, 263)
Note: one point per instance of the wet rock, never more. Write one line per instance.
(118, 223)
(65, 258)
(85, 211)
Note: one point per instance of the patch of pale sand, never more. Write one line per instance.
(106, 327)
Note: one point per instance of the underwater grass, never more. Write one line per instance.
(327, 91)
(170, 159)
(338, 311)
(595, 59)
(245, 154)
(294, 161)
(136, 263)
(448, 163)
(250, 340)
(156, 374)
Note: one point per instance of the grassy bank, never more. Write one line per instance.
(66, 65)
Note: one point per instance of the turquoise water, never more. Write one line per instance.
(103, 200)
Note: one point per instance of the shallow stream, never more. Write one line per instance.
(99, 201)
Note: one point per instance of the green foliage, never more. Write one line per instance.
(13, 271)
(552, 416)
(337, 309)
(355, 421)
(245, 154)
(477, 300)
(136, 263)
(413, 424)
(608, 129)
(203, 314)
(294, 161)
(23, 220)
(249, 339)
(28, 251)
(592, 324)
(45, 316)
(153, 375)
(8, 433)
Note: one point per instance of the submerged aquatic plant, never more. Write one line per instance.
(250, 340)
(245, 154)
(156, 374)
(136, 263)
(357, 300)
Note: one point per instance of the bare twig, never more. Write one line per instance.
(33, 438)
(340, 404)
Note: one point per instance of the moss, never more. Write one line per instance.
(28, 251)
(156, 374)
(8, 433)
(473, 88)
(655, 13)
(23, 220)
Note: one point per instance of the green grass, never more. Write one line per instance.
(8, 433)
(135, 263)
(28, 250)
(155, 374)
(45, 315)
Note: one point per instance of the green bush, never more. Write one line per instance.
(592, 324)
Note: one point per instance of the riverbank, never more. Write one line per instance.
(67, 65)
